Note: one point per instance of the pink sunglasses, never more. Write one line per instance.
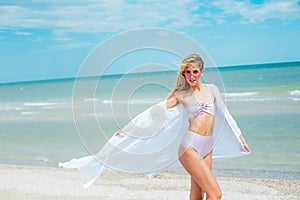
(189, 73)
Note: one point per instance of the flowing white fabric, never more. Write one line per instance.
(150, 142)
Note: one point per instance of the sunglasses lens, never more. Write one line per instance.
(189, 73)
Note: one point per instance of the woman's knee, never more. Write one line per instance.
(216, 194)
(196, 197)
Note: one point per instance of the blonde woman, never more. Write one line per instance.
(195, 153)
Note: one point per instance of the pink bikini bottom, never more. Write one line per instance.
(202, 144)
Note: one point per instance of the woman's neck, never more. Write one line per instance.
(196, 87)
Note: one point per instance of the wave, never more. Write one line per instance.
(232, 96)
(295, 92)
(253, 99)
(41, 104)
(134, 101)
(91, 99)
(48, 104)
(29, 113)
(240, 97)
(295, 99)
(25, 106)
(43, 159)
(8, 108)
(240, 94)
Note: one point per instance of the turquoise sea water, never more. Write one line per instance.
(37, 125)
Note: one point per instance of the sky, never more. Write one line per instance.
(50, 39)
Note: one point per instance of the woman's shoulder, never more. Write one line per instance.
(179, 94)
(212, 87)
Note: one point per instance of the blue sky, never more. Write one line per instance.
(46, 39)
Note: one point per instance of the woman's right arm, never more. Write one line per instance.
(118, 132)
(172, 101)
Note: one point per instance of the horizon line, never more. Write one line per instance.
(226, 67)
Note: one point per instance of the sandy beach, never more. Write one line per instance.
(32, 182)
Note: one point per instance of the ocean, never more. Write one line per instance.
(44, 122)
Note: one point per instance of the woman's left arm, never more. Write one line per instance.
(229, 117)
(244, 143)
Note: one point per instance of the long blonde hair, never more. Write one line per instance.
(181, 83)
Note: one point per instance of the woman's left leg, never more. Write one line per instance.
(196, 191)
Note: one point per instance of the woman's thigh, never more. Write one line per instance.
(208, 160)
(196, 190)
(199, 169)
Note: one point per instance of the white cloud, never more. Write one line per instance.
(96, 16)
(64, 47)
(276, 10)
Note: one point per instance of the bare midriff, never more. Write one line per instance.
(202, 124)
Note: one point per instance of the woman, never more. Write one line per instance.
(195, 152)
(150, 142)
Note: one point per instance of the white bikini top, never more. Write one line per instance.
(199, 108)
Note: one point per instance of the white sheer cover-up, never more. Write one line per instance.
(149, 143)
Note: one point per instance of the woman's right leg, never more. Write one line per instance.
(200, 172)
(196, 192)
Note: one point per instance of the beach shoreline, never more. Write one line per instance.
(36, 182)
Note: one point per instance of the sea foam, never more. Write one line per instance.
(295, 92)
(240, 94)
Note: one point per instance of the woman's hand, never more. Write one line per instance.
(247, 147)
(118, 132)
(244, 143)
